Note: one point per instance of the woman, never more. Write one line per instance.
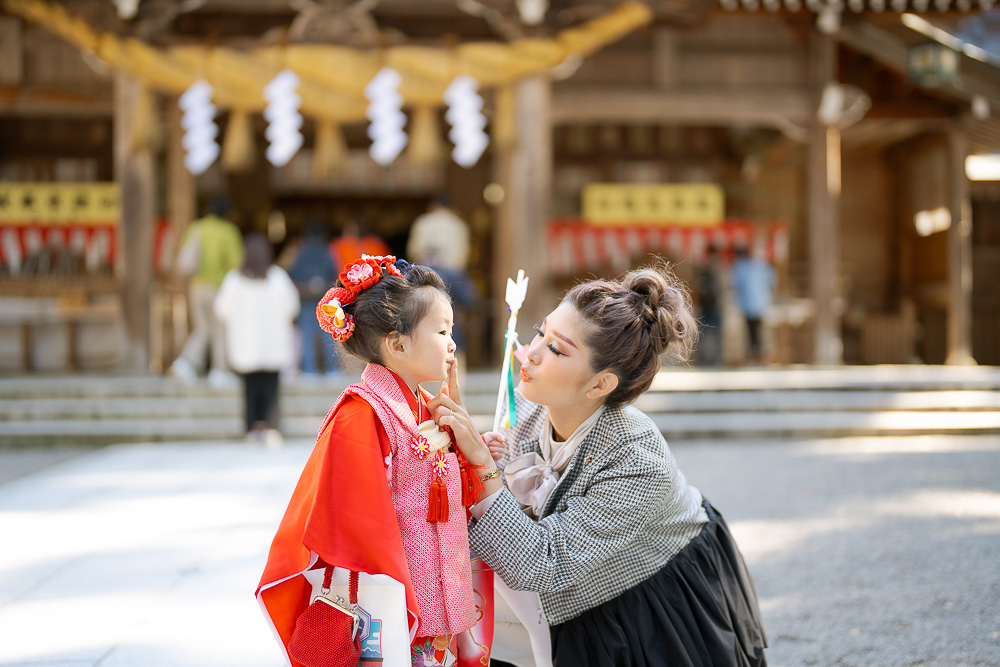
(257, 305)
(632, 565)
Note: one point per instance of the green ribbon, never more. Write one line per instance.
(511, 410)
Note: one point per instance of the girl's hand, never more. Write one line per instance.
(496, 443)
(447, 410)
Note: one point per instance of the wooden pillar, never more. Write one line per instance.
(521, 235)
(167, 331)
(135, 175)
(824, 212)
(181, 194)
(959, 251)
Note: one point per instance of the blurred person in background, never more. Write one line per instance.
(708, 286)
(211, 248)
(753, 282)
(313, 272)
(354, 241)
(440, 239)
(257, 305)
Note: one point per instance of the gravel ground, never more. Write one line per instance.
(865, 551)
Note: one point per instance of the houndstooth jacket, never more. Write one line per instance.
(621, 510)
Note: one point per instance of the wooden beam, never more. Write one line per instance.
(135, 175)
(977, 78)
(719, 106)
(959, 252)
(23, 101)
(824, 213)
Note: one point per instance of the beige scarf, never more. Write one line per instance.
(532, 478)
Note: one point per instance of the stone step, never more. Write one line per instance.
(833, 424)
(858, 378)
(674, 426)
(315, 405)
(684, 403)
(853, 378)
(801, 400)
(112, 386)
(229, 404)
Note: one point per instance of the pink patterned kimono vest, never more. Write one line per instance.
(437, 553)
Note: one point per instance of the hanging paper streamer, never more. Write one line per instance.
(385, 111)
(284, 122)
(514, 297)
(199, 126)
(465, 115)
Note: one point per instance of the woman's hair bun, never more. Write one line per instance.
(634, 321)
(662, 304)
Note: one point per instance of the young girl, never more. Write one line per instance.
(380, 495)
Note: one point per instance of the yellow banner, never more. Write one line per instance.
(59, 204)
(699, 204)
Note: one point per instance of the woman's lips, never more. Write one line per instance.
(524, 376)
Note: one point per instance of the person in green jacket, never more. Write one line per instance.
(211, 248)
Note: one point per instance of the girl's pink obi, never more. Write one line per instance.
(438, 553)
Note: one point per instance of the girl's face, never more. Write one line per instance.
(556, 371)
(428, 351)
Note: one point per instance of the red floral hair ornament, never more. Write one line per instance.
(361, 275)
(355, 278)
(331, 316)
(387, 262)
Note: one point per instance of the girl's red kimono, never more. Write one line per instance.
(361, 504)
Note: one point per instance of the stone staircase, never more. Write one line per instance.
(685, 404)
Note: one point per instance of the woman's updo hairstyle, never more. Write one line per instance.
(393, 304)
(634, 321)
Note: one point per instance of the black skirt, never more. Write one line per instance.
(699, 610)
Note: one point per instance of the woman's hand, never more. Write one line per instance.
(447, 410)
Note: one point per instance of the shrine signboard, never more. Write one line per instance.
(56, 204)
(684, 204)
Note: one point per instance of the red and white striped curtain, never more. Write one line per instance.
(576, 247)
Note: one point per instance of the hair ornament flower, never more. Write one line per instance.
(361, 275)
(343, 295)
(331, 316)
(387, 262)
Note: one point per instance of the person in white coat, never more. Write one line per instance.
(257, 305)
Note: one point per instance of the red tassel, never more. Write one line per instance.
(442, 501)
(475, 487)
(472, 485)
(466, 490)
(433, 505)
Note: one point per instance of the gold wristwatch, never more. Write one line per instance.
(493, 474)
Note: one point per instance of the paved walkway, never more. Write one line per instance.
(866, 551)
